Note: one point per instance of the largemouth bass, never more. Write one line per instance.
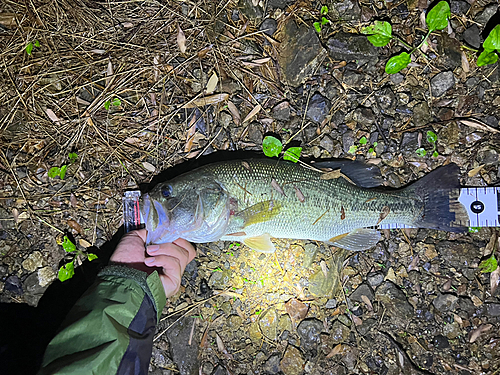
(255, 200)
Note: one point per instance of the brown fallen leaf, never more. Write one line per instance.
(234, 112)
(296, 309)
(246, 166)
(149, 167)
(73, 201)
(74, 225)
(299, 194)
(109, 73)
(383, 214)
(252, 113)
(181, 39)
(207, 100)
(221, 347)
(357, 320)
(212, 83)
(203, 52)
(277, 187)
(331, 175)
(338, 349)
(84, 243)
(465, 63)
(190, 134)
(342, 213)
(414, 263)
(367, 302)
(474, 334)
(473, 123)
(324, 268)
(52, 115)
(475, 171)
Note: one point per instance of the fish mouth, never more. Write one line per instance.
(156, 220)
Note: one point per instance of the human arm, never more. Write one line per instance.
(110, 329)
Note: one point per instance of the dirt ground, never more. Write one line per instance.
(116, 92)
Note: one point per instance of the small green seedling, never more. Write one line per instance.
(380, 34)
(116, 102)
(318, 26)
(68, 270)
(474, 229)
(56, 171)
(363, 141)
(431, 138)
(72, 156)
(491, 48)
(272, 147)
(488, 265)
(30, 45)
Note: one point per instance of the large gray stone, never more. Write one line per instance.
(184, 356)
(300, 54)
(349, 47)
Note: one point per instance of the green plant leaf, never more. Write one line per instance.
(67, 271)
(379, 34)
(488, 265)
(421, 152)
(67, 245)
(487, 57)
(272, 146)
(474, 229)
(29, 48)
(363, 141)
(91, 257)
(370, 150)
(431, 136)
(437, 17)
(62, 173)
(317, 27)
(353, 149)
(37, 43)
(324, 21)
(293, 154)
(397, 63)
(72, 156)
(116, 102)
(54, 171)
(107, 104)
(492, 42)
(324, 10)
(375, 144)
(435, 154)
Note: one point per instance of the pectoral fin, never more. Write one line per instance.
(259, 212)
(260, 243)
(357, 240)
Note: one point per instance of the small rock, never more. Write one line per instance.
(394, 300)
(281, 111)
(13, 284)
(362, 290)
(34, 260)
(486, 14)
(397, 78)
(247, 8)
(346, 10)
(268, 324)
(339, 333)
(385, 98)
(441, 342)
(269, 26)
(255, 134)
(363, 116)
(234, 322)
(309, 331)
(452, 330)
(445, 302)
(493, 309)
(366, 326)
(318, 108)
(272, 364)
(459, 7)
(292, 362)
(351, 47)
(421, 114)
(375, 279)
(331, 304)
(472, 36)
(442, 82)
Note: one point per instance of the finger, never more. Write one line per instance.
(171, 272)
(142, 233)
(187, 246)
(173, 250)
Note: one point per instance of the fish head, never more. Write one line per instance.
(195, 208)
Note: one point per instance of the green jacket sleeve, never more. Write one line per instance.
(110, 329)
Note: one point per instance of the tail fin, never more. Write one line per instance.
(439, 191)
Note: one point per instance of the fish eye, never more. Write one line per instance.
(166, 191)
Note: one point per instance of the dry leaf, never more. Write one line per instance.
(474, 335)
(74, 225)
(52, 115)
(149, 167)
(15, 214)
(203, 52)
(212, 83)
(342, 213)
(447, 285)
(357, 320)
(181, 39)
(414, 263)
(252, 113)
(220, 346)
(331, 175)
(296, 309)
(473, 123)
(367, 302)
(109, 73)
(262, 61)
(324, 268)
(475, 171)
(494, 280)
(234, 112)
(246, 166)
(338, 349)
(465, 63)
(277, 187)
(84, 243)
(458, 319)
(207, 100)
(299, 194)
(73, 201)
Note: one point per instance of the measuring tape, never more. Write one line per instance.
(481, 203)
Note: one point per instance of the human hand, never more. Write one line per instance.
(169, 259)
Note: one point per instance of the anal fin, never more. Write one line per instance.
(357, 240)
(260, 243)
